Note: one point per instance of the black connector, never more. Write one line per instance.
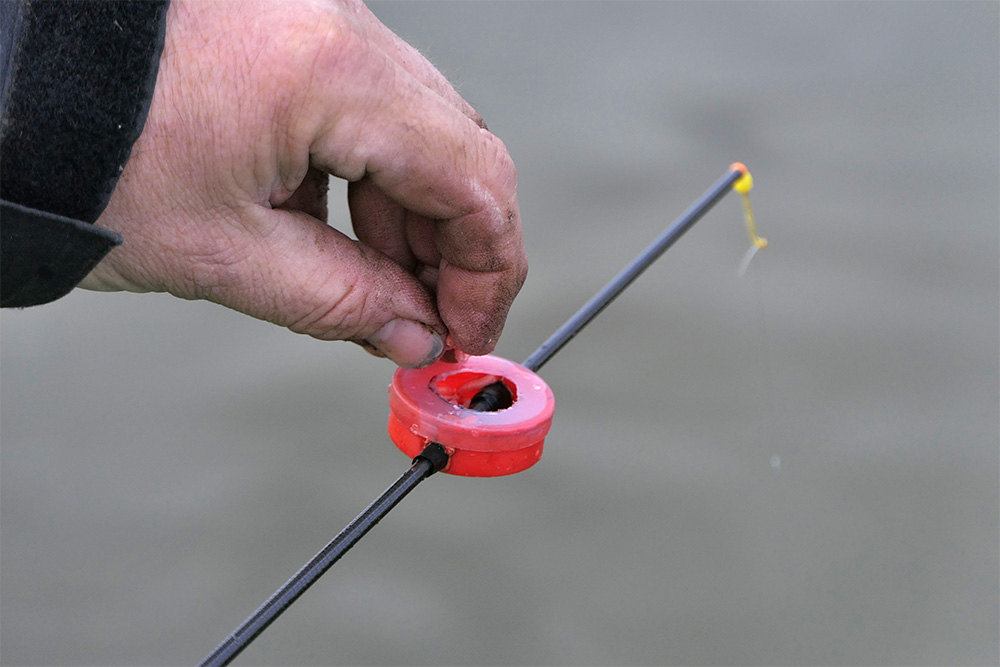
(435, 455)
(492, 398)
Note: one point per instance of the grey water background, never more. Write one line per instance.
(795, 467)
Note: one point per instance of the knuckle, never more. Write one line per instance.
(337, 318)
(498, 164)
(477, 119)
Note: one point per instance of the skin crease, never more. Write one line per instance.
(224, 196)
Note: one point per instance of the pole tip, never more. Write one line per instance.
(744, 182)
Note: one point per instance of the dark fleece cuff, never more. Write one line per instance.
(78, 82)
(78, 92)
(43, 255)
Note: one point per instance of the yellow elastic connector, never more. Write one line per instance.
(743, 185)
(745, 182)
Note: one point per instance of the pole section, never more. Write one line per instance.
(600, 301)
(426, 464)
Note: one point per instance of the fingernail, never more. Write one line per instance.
(408, 343)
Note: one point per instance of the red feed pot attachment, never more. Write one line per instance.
(438, 404)
(476, 416)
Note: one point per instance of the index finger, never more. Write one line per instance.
(430, 158)
(483, 268)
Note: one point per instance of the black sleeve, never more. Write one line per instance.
(76, 80)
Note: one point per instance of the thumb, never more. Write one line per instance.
(311, 278)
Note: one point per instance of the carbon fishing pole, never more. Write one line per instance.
(488, 396)
(626, 276)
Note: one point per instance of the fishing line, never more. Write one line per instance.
(743, 186)
(765, 355)
(493, 403)
(757, 243)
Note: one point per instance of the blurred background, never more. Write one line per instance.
(799, 466)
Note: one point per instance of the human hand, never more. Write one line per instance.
(224, 196)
